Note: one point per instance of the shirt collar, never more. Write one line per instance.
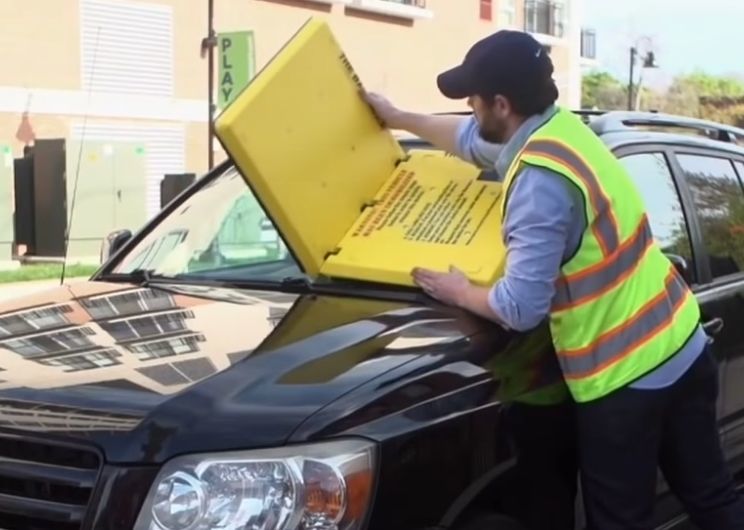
(520, 137)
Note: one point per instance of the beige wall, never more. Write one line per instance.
(40, 40)
(399, 58)
(40, 44)
(57, 126)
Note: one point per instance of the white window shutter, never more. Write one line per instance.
(127, 47)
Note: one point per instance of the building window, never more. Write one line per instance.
(127, 47)
(588, 44)
(84, 361)
(35, 320)
(147, 326)
(166, 348)
(179, 373)
(50, 343)
(507, 13)
(545, 17)
(129, 303)
(410, 9)
(414, 3)
(486, 10)
(52, 418)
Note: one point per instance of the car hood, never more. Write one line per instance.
(145, 373)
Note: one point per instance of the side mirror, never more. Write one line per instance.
(113, 242)
(682, 267)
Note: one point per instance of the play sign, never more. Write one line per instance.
(236, 64)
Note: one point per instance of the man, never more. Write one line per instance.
(541, 492)
(625, 327)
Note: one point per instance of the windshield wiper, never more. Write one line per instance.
(295, 281)
(140, 276)
(148, 277)
(290, 283)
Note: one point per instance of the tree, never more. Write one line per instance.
(723, 109)
(692, 94)
(721, 213)
(697, 94)
(710, 85)
(602, 91)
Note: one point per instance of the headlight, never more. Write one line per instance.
(325, 486)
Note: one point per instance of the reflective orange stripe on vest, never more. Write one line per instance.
(655, 316)
(592, 282)
(605, 228)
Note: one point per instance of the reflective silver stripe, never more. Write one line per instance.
(583, 286)
(604, 226)
(614, 345)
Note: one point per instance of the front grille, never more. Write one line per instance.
(44, 486)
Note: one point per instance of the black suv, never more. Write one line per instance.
(199, 380)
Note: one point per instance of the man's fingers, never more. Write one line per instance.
(423, 282)
(419, 272)
(422, 278)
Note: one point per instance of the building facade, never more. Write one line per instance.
(134, 72)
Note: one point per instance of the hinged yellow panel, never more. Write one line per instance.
(339, 187)
(308, 144)
(433, 212)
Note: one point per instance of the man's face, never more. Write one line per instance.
(492, 118)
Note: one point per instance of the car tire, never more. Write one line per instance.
(489, 521)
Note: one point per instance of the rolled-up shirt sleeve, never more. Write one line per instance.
(471, 147)
(537, 227)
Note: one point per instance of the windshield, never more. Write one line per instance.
(220, 232)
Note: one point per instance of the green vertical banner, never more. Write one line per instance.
(237, 63)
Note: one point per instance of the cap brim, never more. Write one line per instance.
(456, 83)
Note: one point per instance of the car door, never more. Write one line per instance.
(715, 206)
(651, 168)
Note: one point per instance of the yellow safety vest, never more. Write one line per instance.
(528, 372)
(620, 308)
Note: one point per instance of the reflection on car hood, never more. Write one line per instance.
(145, 373)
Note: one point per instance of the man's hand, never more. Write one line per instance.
(440, 131)
(447, 287)
(388, 113)
(453, 288)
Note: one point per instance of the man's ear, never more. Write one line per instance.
(501, 104)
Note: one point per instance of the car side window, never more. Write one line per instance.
(653, 178)
(740, 169)
(719, 205)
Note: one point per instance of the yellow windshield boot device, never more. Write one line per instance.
(621, 309)
(346, 198)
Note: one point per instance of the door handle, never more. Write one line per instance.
(713, 326)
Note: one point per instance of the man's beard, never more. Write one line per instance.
(493, 132)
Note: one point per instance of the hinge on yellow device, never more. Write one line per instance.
(333, 252)
(369, 204)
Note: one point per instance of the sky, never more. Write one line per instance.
(685, 35)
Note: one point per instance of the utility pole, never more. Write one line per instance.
(633, 53)
(649, 61)
(207, 47)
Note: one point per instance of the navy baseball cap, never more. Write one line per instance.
(507, 62)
